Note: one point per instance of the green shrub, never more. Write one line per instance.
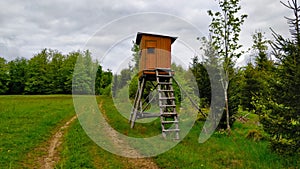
(278, 121)
(255, 135)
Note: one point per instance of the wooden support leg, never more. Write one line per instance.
(137, 102)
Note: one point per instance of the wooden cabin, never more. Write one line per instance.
(155, 52)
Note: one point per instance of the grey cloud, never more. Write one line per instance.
(66, 25)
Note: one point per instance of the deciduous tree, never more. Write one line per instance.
(225, 29)
(18, 75)
(4, 76)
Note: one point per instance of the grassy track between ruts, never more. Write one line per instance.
(79, 151)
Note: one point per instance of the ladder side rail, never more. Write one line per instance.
(175, 117)
(160, 103)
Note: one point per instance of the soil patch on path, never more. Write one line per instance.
(145, 163)
(49, 160)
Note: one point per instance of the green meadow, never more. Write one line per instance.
(28, 122)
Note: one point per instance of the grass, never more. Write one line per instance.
(220, 151)
(79, 151)
(119, 123)
(26, 122)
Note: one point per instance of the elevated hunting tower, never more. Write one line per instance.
(155, 52)
(155, 67)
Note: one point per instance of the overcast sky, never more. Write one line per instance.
(26, 27)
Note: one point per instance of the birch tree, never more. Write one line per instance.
(225, 29)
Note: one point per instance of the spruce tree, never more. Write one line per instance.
(280, 109)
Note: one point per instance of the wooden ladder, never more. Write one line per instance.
(168, 114)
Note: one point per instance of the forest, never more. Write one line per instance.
(268, 85)
(50, 72)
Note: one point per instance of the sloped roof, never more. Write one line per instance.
(140, 34)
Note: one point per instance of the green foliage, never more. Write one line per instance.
(38, 82)
(50, 72)
(84, 74)
(279, 110)
(136, 55)
(106, 80)
(122, 80)
(260, 48)
(225, 29)
(203, 82)
(282, 124)
(67, 71)
(254, 85)
(4, 76)
(106, 91)
(255, 135)
(17, 73)
(256, 78)
(133, 87)
(54, 72)
(98, 80)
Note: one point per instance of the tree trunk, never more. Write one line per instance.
(227, 112)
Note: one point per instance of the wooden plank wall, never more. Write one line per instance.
(162, 56)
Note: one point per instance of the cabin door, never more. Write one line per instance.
(151, 54)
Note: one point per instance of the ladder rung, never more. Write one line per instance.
(164, 75)
(164, 83)
(169, 122)
(168, 114)
(162, 90)
(167, 98)
(147, 115)
(168, 105)
(170, 130)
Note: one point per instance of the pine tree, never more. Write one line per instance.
(202, 79)
(257, 75)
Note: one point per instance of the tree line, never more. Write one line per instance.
(51, 72)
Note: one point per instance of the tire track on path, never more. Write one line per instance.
(52, 157)
(145, 163)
